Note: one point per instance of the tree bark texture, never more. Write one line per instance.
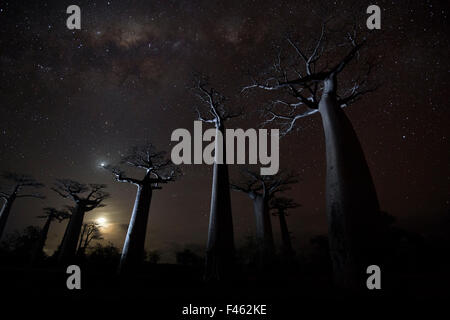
(133, 248)
(220, 245)
(351, 201)
(264, 234)
(4, 214)
(70, 241)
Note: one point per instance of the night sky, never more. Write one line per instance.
(70, 100)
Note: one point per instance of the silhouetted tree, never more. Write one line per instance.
(87, 197)
(89, 231)
(187, 257)
(280, 206)
(220, 246)
(50, 215)
(17, 247)
(261, 189)
(104, 257)
(18, 182)
(154, 256)
(248, 252)
(158, 170)
(70, 210)
(310, 83)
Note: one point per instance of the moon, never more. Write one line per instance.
(102, 221)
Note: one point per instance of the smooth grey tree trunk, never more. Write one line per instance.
(220, 245)
(42, 239)
(70, 241)
(351, 201)
(133, 248)
(264, 234)
(64, 236)
(285, 237)
(81, 248)
(4, 214)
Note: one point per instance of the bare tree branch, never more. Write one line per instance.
(22, 180)
(264, 185)
(68, 188)
(214, 102)
(281, 204)
(91, 232)
(54, 213)
(74, 190)
(158, 168)
(19, 182)
(4, 195)
(304, 87)
(120, 175)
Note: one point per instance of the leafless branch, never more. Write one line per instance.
(247, 186)
(120, 175)
(158, 168)
(303, 88)
(144, 157)
(214, 103)
(281, 204)
(4, 195)
(67, 188)
(19, 182)
(265, 185)
(22, 180)
(54, 213)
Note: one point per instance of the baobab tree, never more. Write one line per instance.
(280, 205)
(308, 82)
(261, 189)
(90, 231)
(50, 215)
(220, 246)
(87, 197)
(158, 170)
(19, 183)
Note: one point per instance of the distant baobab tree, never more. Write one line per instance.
(87, 197)
(220, 248)
(261, 189)
(19, 183)
(90, 231)
(158, 170)
(308, 80)
(280, 205)
(50, 215)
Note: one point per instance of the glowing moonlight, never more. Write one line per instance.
(102, 221)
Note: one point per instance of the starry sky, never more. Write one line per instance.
(72, 99)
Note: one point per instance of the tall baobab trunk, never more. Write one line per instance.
(70, 241)
(133, 248)
(80, 250)
(82, 246)
(42, 239)
(220, 245)
(264, 233)
(351, 200)
(285, 237)
(64, 236)
(4, 214)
